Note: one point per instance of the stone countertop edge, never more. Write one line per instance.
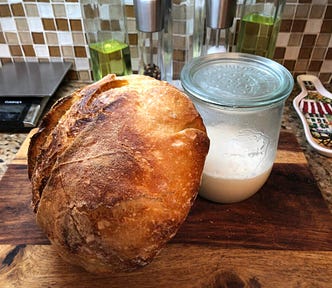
(320, 166)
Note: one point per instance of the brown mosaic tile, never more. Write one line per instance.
(130, 11)
(51, 38)
(62, 24)
(2, 38)
(5, 11)
(59, 10)
(15, 50)
(318, 53)
(80, 51)
(302, 11)
(305, 53)
(88, 11)
(75, 25)
(308, 40)
(305, 1)
(298, 25)
(105, 25)
(78, 38)
(84, 75)
(279, 53)
(289, 64)
(313, 26)
(282, 40)
(301, 65)
(315, 65)
(48, 24)
(329, 54)
(38, 37)
(17, 9)
(115, 25)
(11, 38)
(5, 60)
(21, 24)
(133, 39)
(286, 25)
(295, 39)
(54, 51)
(179, 42)
(67, 51)
(25, 37)
(328, 12)
(181, 27)
(72, 75)
(326, 26)
(326, 66)
(179, 55)
(31, 10)
(317, 11)
(177, 67)
(28, 50)
(289, 11)
(323, 39)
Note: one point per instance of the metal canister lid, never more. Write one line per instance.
(220, 13)
(149, 15)
(236, 80)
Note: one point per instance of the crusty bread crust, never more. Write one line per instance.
(115, 168)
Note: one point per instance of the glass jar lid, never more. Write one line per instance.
(236, 80)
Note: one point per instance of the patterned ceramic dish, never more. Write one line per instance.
(314, 107)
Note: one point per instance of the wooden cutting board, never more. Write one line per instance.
(280, 237)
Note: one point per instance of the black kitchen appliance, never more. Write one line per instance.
(25, 89)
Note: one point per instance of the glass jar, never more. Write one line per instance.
(106, 33)
(240, 98)
(259, 26)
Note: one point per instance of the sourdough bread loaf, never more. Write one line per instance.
(115, 168)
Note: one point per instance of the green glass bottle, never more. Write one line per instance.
(106, 33)
(259, 27)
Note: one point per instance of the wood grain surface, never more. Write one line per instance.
(280, 237)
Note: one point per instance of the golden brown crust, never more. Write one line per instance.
(114, 176)
(48, 123)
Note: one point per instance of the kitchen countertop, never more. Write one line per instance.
(279, 237)
(320, 166)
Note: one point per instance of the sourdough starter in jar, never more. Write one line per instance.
(235, 164)
(240, 98)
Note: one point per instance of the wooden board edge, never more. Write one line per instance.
(21, 155)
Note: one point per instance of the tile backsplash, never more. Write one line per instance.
(52, 30)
